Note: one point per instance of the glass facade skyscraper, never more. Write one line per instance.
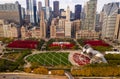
(77, 12)
(90, 14)
(110, 12)
(11, 12)
(31, 11)
(56, 8)
(47, 3)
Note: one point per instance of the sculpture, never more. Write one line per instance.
(95, 56)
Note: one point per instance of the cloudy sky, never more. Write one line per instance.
(64, 3)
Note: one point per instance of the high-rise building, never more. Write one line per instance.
(56, 8)
(42, 25)
(68, 14)
(47, 3)
(53, 29)
(39, 6)
(90, 14)
(68, 29)
(31, 11)
(61, 24)
(110, 12)
(117, 29)
(78, 12)
(97, 27)
(47, 11)
(39, 10)
(76, 26)
(57, 29)
(11, 12)
(23, 13)
(101, 20)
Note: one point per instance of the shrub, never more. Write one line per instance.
(40, 70)
(57, 72)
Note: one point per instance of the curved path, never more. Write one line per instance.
(68, 74)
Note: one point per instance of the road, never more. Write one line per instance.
(29, 76)
(38, 76)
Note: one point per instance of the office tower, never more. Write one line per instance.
(42, 25)
(47, 3)
(72, 16)
(47, 11)
(67, 29)
(39, 6)
(97, 27)
(117, 29)
(76, 26)
(23, 13)
(53, 29)
(56, 8)
(90, 14)
(61, 10)
(78, 12)
(11, 12)
(39, 10)
(68, 14)
(110, 12)
(101, 20)
(61, 24)
(62, 13)
(31, 11)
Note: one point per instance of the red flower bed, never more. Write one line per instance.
(67, 46)
(96, 43)
(23, 44)
(81, 59)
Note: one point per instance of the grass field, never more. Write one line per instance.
(50, 59)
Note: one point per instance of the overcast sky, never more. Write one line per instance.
(64, 3)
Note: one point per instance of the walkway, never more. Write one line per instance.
(78, 44)
(29, 76)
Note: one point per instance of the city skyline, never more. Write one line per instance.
(63, 2)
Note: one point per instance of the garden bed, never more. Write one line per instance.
(29, 44)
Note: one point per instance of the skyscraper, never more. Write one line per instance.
(39, 10)
(47, 3)
(11, 12)
(77, 12)
(117, 28)
(31, 10)
(110, 12)
(56, 8)
(42, 25)
(90, 15)
(39, 6)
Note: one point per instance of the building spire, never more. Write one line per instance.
(68, 13)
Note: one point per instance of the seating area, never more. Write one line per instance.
(66, 45)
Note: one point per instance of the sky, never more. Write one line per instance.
(64, 3)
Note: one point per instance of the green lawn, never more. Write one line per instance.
(50, 59)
